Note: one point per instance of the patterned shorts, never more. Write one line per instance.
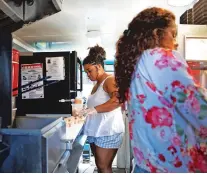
(108, 142)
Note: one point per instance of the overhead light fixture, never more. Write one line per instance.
(180, 3)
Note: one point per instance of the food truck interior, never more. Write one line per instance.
(42, 45)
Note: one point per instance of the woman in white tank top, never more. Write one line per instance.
(104, 124)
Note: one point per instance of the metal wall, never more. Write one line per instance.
(6, 30)
(5, 76)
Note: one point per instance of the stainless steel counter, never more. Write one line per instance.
(75, 132)
(76, 153)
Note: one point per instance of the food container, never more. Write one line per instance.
(76, 108)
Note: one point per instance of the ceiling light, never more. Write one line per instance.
(93, 33)
(180, 3)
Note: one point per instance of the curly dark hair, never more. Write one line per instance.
(96, 55)
(144, 32)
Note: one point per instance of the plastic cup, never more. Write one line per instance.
(76, 108)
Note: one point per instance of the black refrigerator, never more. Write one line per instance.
(45, 79)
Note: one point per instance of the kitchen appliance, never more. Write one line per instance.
(67, 78)
(36, 145)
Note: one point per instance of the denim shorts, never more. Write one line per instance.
(108, 142)
(137, 169)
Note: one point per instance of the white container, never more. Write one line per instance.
(76, 108)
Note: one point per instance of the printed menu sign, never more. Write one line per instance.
(31, 73)
(55, 68)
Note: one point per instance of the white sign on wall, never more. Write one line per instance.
(31, 73)
(55, 67)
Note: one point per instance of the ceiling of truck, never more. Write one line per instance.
(107, 19)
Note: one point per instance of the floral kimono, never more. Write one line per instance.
(167, 114)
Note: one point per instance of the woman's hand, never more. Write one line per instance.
(88, 112)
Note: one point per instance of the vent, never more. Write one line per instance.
(27, 10)
(5, 20)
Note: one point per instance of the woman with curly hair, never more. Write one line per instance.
(167, 109)
(104, 124)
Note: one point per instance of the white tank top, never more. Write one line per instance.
(103, 124)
